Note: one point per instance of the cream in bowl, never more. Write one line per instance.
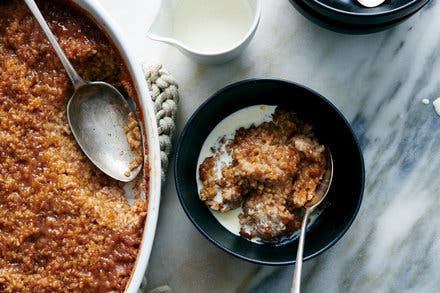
(207, 31)
(257, 169)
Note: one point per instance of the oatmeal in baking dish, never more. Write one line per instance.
(64, 225)
(267, 170)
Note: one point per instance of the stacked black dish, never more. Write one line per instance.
(348, 16)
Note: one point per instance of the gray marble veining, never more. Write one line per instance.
(378, 82)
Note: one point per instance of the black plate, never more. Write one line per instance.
(342, 27)
(350, 12)
(331, 128)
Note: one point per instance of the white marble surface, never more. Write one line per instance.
(378, 81)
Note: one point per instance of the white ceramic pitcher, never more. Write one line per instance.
(163, 29)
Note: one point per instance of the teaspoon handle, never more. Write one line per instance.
(73, 75)
(296, 284)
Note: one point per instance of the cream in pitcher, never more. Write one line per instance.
(208, 31)
(212, 26)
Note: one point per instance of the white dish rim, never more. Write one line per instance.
(107, 24)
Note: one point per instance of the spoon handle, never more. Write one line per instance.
(73, 75)
(296, 285)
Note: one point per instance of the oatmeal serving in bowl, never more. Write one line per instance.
(64, 225)
(251, 156)
(268, 170)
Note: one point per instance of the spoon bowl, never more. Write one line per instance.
(98, 115)
(370, 3)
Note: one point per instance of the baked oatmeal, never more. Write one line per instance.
(273, 171)
(134, 139)
(64, 225)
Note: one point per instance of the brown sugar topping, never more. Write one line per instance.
(64, 225)
(275, 169)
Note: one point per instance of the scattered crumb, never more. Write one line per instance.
(134, 139)
(436, 104)
(425, 101)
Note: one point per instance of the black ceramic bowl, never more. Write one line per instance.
(329, 126)
(347, 16)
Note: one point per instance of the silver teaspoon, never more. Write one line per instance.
(97, 114)
(370, 3)
(321, 193)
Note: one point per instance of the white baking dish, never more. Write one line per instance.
(101, 18)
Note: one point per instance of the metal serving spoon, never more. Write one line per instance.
(321, 193)
(370, 3)
(97, 113)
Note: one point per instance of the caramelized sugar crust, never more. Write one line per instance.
(275, 169)
(64, 225)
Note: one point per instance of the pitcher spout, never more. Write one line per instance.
(161, 28)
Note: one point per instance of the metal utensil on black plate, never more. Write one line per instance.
(370, 3)
(321, 192)
(97, 114)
